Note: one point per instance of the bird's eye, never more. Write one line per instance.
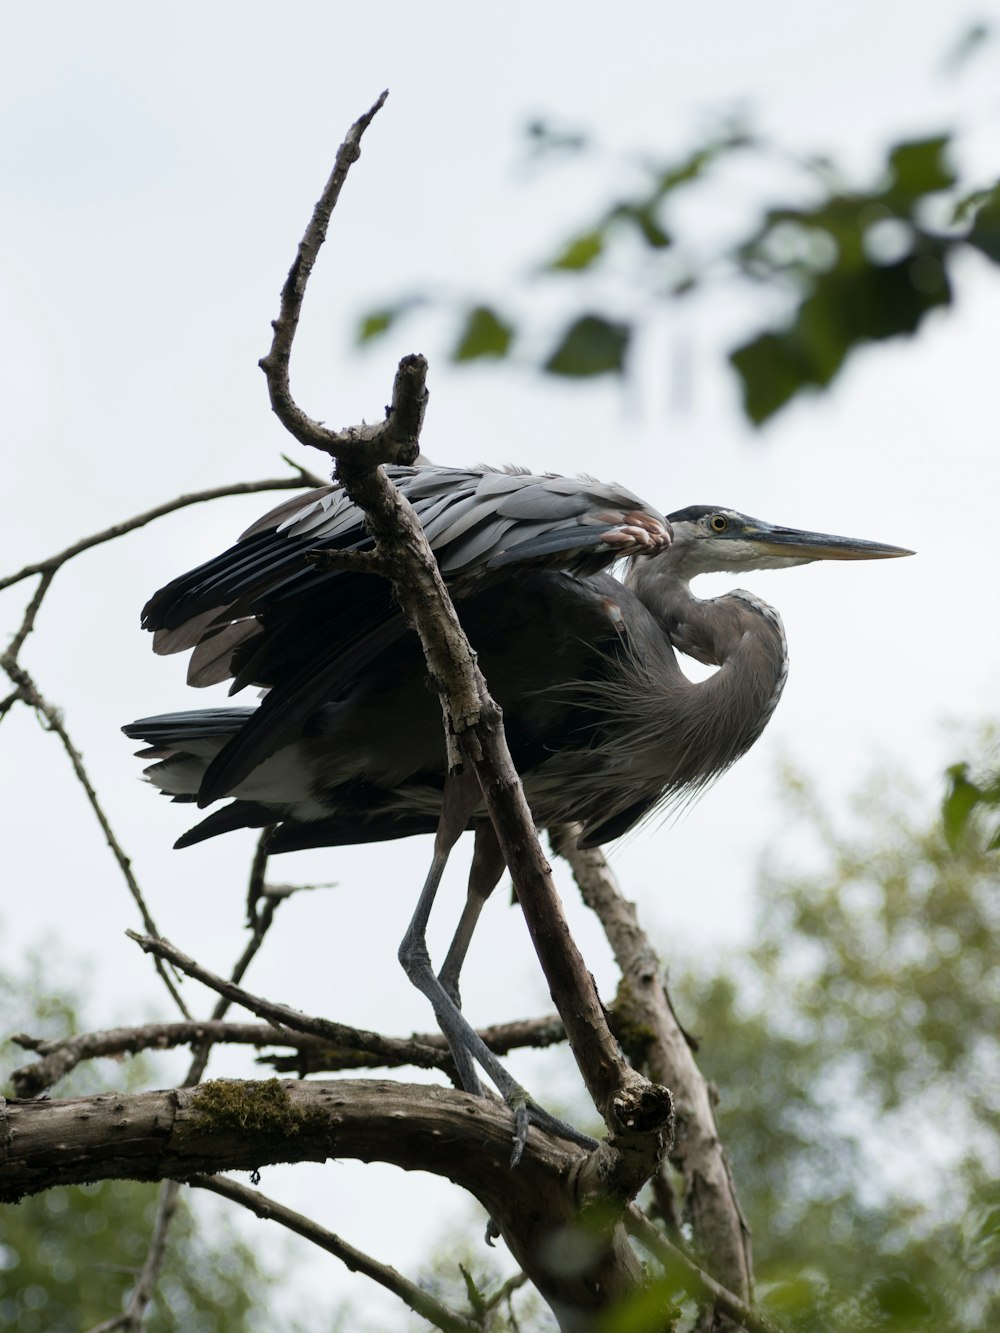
(719, 522)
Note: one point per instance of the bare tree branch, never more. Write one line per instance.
(237, 1126)
(53, 562)
(404, 1052)
(31, 611)
(421, 1302)
(133, 1317)
(53, 721)
(314, 1055)
(369, 443)
(720, 1230)
(629, 1104)
(166, 1205)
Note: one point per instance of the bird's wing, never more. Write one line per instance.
(263, 615)
(480, 519)
(476, 521)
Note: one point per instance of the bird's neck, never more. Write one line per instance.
(740, 634)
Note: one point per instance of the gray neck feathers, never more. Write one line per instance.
(692, 731)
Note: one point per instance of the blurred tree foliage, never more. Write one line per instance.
(857, 1053)
(67, 1257)
(845, 263)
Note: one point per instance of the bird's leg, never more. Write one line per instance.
(461, 793)
(487, 866)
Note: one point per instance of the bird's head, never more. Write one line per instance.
(709, 539)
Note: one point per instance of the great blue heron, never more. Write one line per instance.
(347, 745)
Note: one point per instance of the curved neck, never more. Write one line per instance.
(740, 634)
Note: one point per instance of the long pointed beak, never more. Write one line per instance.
(795, 543)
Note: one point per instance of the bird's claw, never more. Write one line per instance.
(528, 1112)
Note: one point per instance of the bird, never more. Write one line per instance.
(604, 726)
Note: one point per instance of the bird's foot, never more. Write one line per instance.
(528, 1112)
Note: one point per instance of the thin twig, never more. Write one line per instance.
(413, 1052)
(166, 1205)
(30, 612)
(31, 695)
(52, 562)
(275, 364)
(133, 1317)
(260, 925)
(421, 1302)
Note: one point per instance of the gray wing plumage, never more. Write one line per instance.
(475, 518)
(262, 615)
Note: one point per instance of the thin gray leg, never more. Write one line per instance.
(464, 1041)
(488, 865)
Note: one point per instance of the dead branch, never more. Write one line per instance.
(144, 1288)
(53, 562)
(52, 719)
(633, 1109)
(721, 1234)
(421, 1302)
(313, 1054)
(232, 1125)
(340, 1034)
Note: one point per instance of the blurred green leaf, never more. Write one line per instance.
(849, 305)
(374, 323)
(985, 233)
(961, 799)
(900, 1302)
(590, 346)
(644, 218)
(694, 165)
(969, 204)
(579, 253)
(475, 1297)
(649, 1310)
(484, 334)
(918, 168)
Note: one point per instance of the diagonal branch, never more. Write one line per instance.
(368, 442)
(340, 1034)
(421, 1302)
(53, 562)
(53, 721)
(721, 1234)
(695, 1281)
(629, 1104)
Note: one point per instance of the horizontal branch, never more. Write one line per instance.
(231, 1125)
(313, 1054)
(244, 1126)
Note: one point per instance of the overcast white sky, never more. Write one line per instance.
(156, 169)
